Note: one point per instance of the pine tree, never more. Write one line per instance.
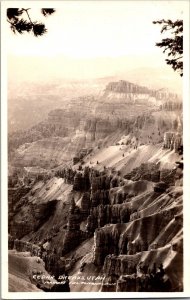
(173, 45)
(20, 21)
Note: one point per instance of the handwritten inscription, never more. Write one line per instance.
(73, 279)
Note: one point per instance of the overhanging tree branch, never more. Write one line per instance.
(21, 25)
(172, 45)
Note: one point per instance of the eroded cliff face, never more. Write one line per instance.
(125, 87)
(66, 131)
(49, 150)
(135, 237)
(111, 202)
(139, 251)
(173, 140)
(129, 218)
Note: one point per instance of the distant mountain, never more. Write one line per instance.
(30, 102)
(155, 78)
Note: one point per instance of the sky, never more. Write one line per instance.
(89, 39)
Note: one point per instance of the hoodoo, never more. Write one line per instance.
(97, 193)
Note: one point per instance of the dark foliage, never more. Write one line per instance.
(13, 13)
(173, 45)
(47, 11)
(20, 21)
(39, 29)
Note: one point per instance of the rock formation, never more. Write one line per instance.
(74, 236)
(112, 204)
(172, 141)
(126, 87)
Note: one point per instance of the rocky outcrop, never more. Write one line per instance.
(172, 105)
(99, 197)
(100, 182)
(71, 240)
(152, 172)
(132, 238)
(85, 204)
(127, 283)
(74, 217)
(132, 273)
(178, 143)
(78, 183)
(120, 265)
(73, 236)
(172, 140)
(67, 173)
(80, 179)
(146, 171)
(126, 87)
(88, 129)
(81, 154)
(153, 282)
(22, 246)
(54, 265)
(106, 214)
(105, 242)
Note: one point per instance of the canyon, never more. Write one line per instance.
(96, 193)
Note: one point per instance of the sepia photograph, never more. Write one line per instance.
(93, 158)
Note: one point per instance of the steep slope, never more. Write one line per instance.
(125, 158)
(153, 236)
(105, 201)
(135, 130)
(119, 222)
